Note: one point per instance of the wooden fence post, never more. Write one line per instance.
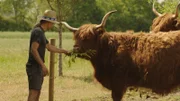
(51, 72)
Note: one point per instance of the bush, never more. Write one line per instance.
(9, 24)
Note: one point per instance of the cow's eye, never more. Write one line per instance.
(174, 22)
(84, 40)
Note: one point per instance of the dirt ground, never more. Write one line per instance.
(139, 94)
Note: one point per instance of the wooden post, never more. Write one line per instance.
(51, 72)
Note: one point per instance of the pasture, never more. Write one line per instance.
(76, 84)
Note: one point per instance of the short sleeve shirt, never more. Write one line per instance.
(37, 35)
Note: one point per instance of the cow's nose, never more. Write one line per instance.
(76, 48)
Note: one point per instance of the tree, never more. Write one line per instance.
(84, 12)
(167, 6)
(134, 15)
(13, 9)
(131, 14)
(57, 5)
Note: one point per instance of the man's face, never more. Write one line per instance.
(49, 25)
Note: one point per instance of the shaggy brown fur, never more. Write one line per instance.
(141, 60)
(165, 23)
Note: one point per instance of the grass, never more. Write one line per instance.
(76, 84)
(76, 79)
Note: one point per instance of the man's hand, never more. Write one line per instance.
(45, 70)
(66, 52)
(54, 49)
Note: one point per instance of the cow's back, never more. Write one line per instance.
(157, 56)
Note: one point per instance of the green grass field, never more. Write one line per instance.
(76, 84)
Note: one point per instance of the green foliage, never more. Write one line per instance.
(134, 15)
(15, 15)
(84, 12)
(73, 55)
(169, 6)
(8, 24)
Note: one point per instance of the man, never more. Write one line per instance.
(35, 67)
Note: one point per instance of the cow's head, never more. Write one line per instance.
(165, 22)
(86, 36)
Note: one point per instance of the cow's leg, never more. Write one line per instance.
(119, 84)
(118, 92)
(118, 88)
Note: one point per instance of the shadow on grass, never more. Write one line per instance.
(87, 79)
(98, 98)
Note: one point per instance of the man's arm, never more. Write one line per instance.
(55, 49)
(34, 51)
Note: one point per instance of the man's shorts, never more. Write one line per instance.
(35, 76)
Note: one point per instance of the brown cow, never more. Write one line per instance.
(165, 22)
(123, 60)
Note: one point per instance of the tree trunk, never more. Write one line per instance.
(60, 36)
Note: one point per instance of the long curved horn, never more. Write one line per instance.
(176, 14)
(154, 10)
(103, 22)
(69, 27)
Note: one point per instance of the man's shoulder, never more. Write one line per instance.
(37, 29)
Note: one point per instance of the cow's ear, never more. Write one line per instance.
(99, 30)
